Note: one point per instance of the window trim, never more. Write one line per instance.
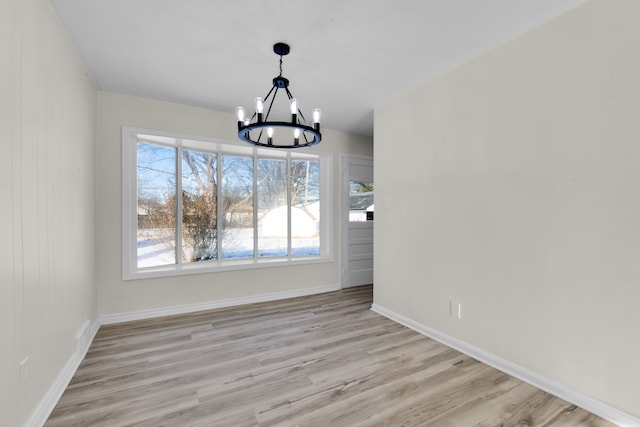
(130, 270)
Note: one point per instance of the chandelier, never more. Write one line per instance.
(292, 131)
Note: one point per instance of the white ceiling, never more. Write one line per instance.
(347, 56)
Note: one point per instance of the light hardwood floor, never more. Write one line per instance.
(322, 360)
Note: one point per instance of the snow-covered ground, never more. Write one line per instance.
(157, 246)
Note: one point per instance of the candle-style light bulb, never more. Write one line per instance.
(296, 136)
(316, 118)
(269, 135)
(293, 107)
(240, 114)
(259, 108)
(259, 105)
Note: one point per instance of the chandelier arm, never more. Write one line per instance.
(304, 120)
(269, 110)
(272, 99)
(269, 93)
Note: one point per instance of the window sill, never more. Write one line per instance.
(207, 267)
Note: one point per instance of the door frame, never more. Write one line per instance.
(346, 161)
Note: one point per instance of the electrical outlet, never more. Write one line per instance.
(24, 370)
(455, 309)
(83, 338)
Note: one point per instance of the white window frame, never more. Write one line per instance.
(130, 270)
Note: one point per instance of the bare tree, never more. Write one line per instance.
(201, 196)
(200, 206)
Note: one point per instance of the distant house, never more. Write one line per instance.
(305, 221)
(240, 216)
(359, 205)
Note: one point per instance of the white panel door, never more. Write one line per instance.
(357, 220)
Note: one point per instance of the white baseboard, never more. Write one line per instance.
(229, 302)
(84, 337)
(585, 402)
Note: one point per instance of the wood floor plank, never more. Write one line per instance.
(320, 360)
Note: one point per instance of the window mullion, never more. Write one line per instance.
(289, 203)
(133, 203)
(255, 207)
(219, 207)
(178, 196)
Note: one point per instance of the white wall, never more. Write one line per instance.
(47, 130)
(514, 188)
(116, 296)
